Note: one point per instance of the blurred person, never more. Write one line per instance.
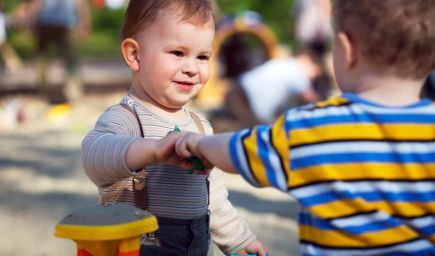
(54, 22)
(11, 59)
(312, 25)
(168, 69)
(242, 50)
(2, 26)
(115, 4)
(360, 165)
(259, 95)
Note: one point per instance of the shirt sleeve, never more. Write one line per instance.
(228, 231)
(261, 155)
(104, 148)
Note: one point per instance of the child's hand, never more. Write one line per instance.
(256, 247)
(187, 146)
(165, 151)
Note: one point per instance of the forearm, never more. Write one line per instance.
(140, 153)
(103, 157)
(33, 9)
(215, 150)
(84, 12)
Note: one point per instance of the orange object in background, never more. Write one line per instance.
(99, 4)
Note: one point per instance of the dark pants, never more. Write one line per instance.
(59, 37)
(179, 238)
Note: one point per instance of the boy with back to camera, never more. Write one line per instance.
(167, 45)
(361, 165)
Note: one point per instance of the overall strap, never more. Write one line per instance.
(198, 124)
(139, 180)
(127, 105)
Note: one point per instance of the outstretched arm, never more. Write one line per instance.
(143, 152)
(213, 149)
(114, 149)
(260, 155)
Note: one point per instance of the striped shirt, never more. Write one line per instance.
(363, 174)
(172, 192)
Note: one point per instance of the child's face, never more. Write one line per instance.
(174, 59)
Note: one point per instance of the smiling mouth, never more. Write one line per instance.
(184, 85)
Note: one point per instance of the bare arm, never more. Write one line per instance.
(32, 11)
(84, 26)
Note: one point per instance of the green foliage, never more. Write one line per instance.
(102, 42)
(19, 39)
(277, 14)
(107, 20)
(106, 25)
(106, 28)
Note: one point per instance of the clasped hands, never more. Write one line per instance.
(177, 148)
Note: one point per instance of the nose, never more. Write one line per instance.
(190, 67)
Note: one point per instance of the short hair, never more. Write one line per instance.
(398, 35)
(141, 13)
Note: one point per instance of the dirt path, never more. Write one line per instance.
(41, 181)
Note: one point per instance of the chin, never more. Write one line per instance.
(177, 104)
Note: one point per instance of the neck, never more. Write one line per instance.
(137, 91)
(387, 89)
(175, 114)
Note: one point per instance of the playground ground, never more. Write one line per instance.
(41, 179)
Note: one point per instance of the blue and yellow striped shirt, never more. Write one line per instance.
(363, 174)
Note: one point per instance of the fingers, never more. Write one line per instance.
(181, 149)
(258, 248)
(184, 147)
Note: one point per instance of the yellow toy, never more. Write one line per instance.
(113, 230)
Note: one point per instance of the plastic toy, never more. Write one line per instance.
(113, 230)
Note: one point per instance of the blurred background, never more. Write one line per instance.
(60, 69)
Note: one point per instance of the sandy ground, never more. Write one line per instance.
(41, 181)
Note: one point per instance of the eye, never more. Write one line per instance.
(177, 53)
(204, 57)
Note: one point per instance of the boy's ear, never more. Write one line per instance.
(349, 49)
(130, 51)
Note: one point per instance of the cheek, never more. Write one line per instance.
(204, 72)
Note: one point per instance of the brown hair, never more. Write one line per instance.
(398, 35)
(141, 13)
